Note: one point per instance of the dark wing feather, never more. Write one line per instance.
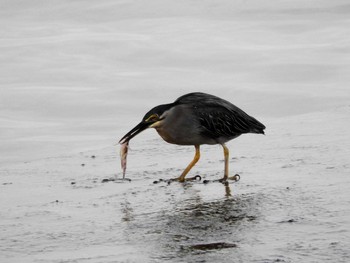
(219, 117)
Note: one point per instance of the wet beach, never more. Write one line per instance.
(76, 76)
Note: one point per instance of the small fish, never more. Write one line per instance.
(123, 154)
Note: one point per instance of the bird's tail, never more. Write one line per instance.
(257, 126)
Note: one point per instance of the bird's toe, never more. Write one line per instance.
(235, 178)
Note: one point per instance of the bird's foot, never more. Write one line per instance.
(194, 178)
(179, 179)
(234, 178)
(225, 180)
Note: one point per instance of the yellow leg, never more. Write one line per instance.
(227, 155)
(189, 167)
(226, 177)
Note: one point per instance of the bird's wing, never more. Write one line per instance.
(218, 121)
(219, 117)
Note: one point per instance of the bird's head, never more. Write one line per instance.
(152, 119)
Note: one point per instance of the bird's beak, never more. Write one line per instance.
(136, 130)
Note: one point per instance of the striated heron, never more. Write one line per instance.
(198, 118)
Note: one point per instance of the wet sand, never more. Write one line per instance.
(75, 77)
(290, 205)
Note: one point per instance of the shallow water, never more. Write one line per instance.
(58, 209)
(76, 76)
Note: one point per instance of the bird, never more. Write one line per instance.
(198, 118)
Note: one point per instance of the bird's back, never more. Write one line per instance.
(219, 118)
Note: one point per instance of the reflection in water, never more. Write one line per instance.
(127, 211)
(180, 221)
(197, 225)
(227, 190)
(203, 220)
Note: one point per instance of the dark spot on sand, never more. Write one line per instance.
(211, 246)
(106, 180)
(112, 179)
(233, 218)
(288, 221)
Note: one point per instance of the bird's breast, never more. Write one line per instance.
(180, 126)
(166, 135)
(183, 137)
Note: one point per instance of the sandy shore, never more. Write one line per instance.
(76, 76)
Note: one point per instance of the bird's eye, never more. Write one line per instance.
(153, 117)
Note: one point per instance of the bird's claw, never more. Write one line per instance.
(194, 178)
(235, 177)
(178, 179)
(224, 180)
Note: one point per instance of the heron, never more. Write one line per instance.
(198, 118)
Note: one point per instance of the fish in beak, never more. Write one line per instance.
(125, 143)
(143, 125)
(136, 130)
(151, 120)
